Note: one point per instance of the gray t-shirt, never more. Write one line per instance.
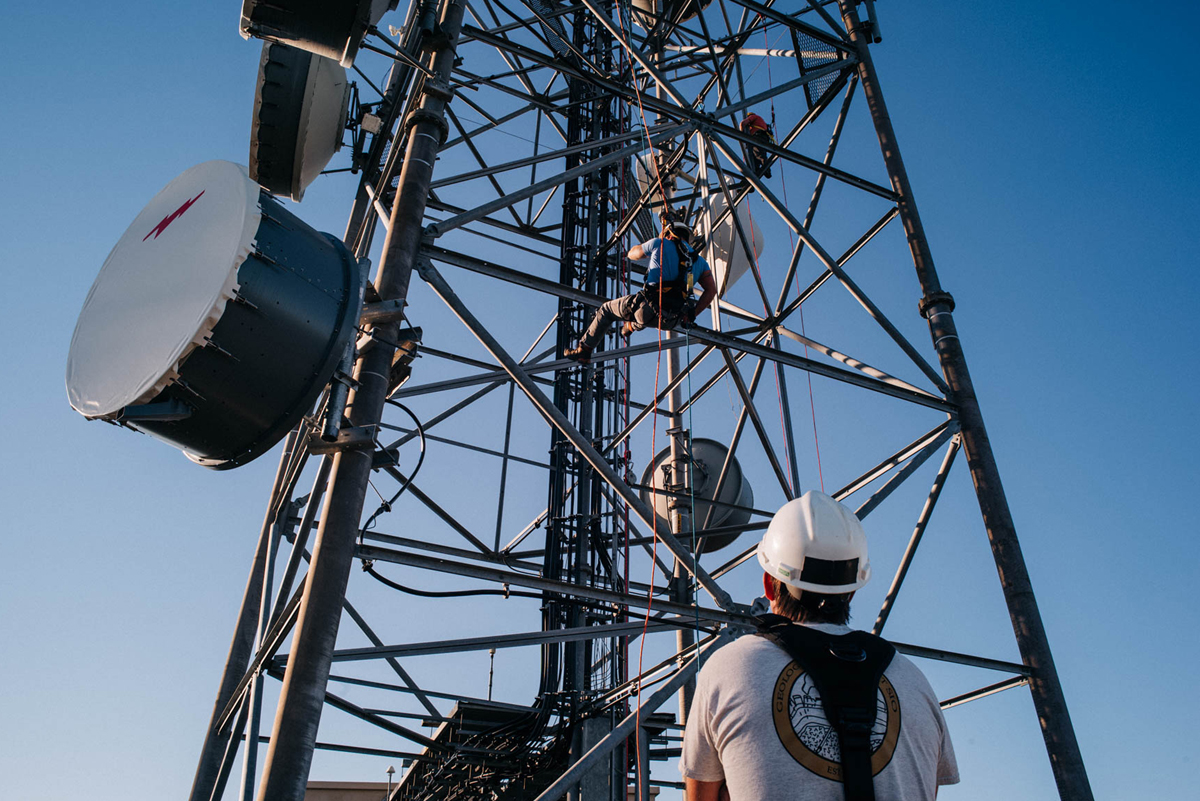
(757, 723)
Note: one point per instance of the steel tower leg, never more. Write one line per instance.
(302, 696)
(680, 517)
(937, 305)
(209, 781)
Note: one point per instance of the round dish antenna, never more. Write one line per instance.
(333, 30)
(727, 250)
(300, 107)
(216, 320)
(716, 476)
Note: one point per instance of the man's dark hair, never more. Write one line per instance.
(811, 607)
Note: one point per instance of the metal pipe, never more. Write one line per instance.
(253, 719)
(802, 363)
(643, 765)
(392, 663)
(901, 475)
(849, 361)
(456, 697)
(576, 634)
(339, 392)
(935, 492)
(789, 433)
(302, 695)
(447, 550)
(229, 756)
(636, 601)
(300, 541)
(1066, 761)
(216, 742)
(941, 655)
(508, 427)
(984, 692)
(279, 631)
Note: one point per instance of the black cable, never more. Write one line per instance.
(421, 458)
(386, 506)
(367, 568)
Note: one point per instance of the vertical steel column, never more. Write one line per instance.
(679, 469)
(254, 716)
(643, 765)
(209, 781)
(302, 696)
(937, 305)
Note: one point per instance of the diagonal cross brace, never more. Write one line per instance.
(623, 729)
(559, 420)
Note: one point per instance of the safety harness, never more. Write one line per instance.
(846, 669)
(675, 293)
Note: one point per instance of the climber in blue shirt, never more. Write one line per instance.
(666, 299)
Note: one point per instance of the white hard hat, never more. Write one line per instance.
(814, 543)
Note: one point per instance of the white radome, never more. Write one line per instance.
(726, 255)
(162, 289)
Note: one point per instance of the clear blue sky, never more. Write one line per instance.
(1052, 150)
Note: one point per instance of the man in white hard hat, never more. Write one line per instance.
(760, 724)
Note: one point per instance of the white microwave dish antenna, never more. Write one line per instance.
(726, 254)
(733, 503)
(331, 29)
(216, 321)
(301, 102)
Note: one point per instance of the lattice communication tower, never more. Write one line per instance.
(512, 156)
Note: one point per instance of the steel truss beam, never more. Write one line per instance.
(870, 378)
(512, 640)
(1065, 758)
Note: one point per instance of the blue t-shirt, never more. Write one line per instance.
(665, 261)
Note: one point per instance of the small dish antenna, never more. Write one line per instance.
(708, 458)
(331, 29)
(300, 107)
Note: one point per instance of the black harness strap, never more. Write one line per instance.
(675, 293)
(846, 668)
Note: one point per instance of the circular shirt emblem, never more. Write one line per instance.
(807, 734)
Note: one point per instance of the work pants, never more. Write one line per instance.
(635, 309)
(756, 157)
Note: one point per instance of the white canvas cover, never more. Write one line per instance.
(726, 255)
(162, 289)
(322, 120)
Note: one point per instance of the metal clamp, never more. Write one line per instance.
(357, 438)
(439, 89)
(424, 115)
(926, 304)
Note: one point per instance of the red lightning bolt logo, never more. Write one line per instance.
(172, 217)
